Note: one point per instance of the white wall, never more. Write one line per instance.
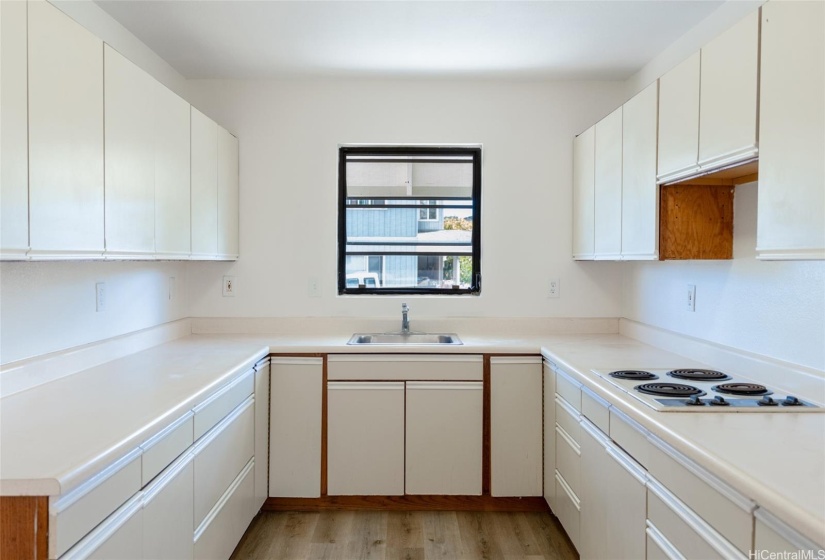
(49, 306)
(289, 134)
(773, 308)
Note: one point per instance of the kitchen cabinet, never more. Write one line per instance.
(262, 370)
(791, 206)
(227, 195)
(129, 157)
(443, 440)
(639, 190)
(120, 537)
(204, 138)
(14, 157)
(168, 512)
(584, 162)
(729, 92)
(777, 537)
(65, 82)
(365, 441)
(515, 426)
(295, 410)
(608, 187)
(172, 175)
(549, 424)
(679, 121)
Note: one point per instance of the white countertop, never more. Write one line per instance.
(54, 436)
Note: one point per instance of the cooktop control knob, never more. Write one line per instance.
(766, 401)
(694, 400)
(719, 401)
(791, 401)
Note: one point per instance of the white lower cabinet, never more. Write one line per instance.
(295, 402)
(365, 438)
(443, 437)
(549, 422)
(262, 369)
(226, 523)
(783, 541)
(168, 512)
(119, 537)
(515, 426)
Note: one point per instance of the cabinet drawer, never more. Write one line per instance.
(400, 367)
(630, 436)
(596, 410)
(119, 537)
(567, 509)
(570, 390)
(221, 455)
(568, 418)
(776, 536)
(209, 413)
(168, 522)
(78, 512)
(687, 533)
(568, 459)
(658, 547)
(226, 523)
(165, 447)
(725, 510)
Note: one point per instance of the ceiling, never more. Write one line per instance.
(530, 39)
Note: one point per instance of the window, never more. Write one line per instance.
(427, 239)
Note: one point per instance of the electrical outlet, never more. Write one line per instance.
(313, 287)
(100, 297)
(691, 297)
(171, 288)
(229, 286)
(553, 288)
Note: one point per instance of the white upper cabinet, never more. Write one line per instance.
(729, 92)
(791, 206)
(227, 195)
(14, 162)
(608, 187)
(679, 121)
(172, 175)
(584, 153)
(204, 137)
(640, 192)
(65, 136)
(130, 157)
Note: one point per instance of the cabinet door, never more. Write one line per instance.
(261, 431)
(515, 426)
(118, 537)
(640, 193)
(365, 438)
(227, 195)
(168, 513)
(14, 134)
(444, 426)
(584, 153)
(130, 157)
(65, 136)
(204, 186)
(608, 187)
(549, 423)
(296, 391)
(729, 93)
(791, 206)
(679, 120)
(172, 175)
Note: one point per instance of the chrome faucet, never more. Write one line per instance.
(405, 319)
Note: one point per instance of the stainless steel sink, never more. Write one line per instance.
(405, 339)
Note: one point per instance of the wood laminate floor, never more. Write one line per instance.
(404, 535)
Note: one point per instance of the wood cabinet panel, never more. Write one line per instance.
(696, 222)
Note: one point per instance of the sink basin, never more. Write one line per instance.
(405, 339)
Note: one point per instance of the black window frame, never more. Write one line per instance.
(475, 153)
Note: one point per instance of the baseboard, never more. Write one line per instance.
(409, 503)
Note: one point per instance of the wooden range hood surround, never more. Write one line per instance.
(696, 213)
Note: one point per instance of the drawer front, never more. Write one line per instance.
(630, 437)
(732, 520)
(168, 513)
(568, 419)
(401, 367)
(676, 527)
(569, 390)
(596, 410)
(118, 537)
(209, 413)
(221, 531)
(658, 547)
(77, 513)
(568, 459)
(774, 535)
(165, 447)
(567, 509)
(221, 455)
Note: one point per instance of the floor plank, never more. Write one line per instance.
(404, 535)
